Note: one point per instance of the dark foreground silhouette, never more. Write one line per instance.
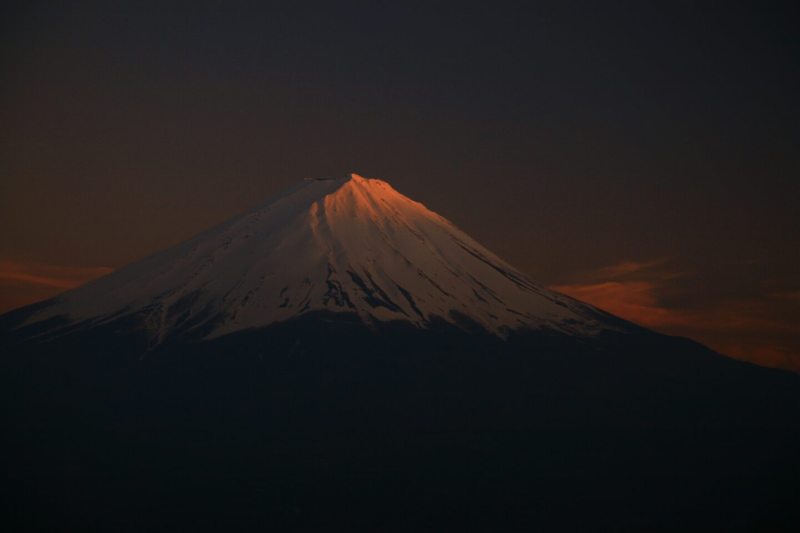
(321, 424)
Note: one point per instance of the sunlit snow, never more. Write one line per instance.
(343, 245)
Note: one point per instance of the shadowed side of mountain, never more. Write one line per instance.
(323, 420)
(341, 357)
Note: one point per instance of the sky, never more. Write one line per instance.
(641, 156)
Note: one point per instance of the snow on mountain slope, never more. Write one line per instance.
(342, 245)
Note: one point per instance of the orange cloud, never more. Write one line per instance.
(632, 300)
(774, 356)
(626, 268)
(638, 302)
(60, 277)
(25, 283)
(760, 329)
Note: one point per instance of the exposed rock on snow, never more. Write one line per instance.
(343, 245)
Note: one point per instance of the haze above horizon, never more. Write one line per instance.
(640, 158)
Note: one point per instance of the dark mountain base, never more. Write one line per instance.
(319, 425)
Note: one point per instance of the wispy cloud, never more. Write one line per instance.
(626, 268)
(755, 328)
(54, 276)
(633, 300)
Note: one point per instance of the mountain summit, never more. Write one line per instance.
(342, 358)
(349, 245)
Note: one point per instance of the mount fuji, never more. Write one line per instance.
(350, 245)
(341, 358)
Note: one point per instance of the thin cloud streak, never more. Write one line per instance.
(626, 268)
(633, 300)
(23, 283)
(754, 329)
(56, 276)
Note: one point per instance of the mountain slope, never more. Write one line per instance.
(350, 245)
(342, 359)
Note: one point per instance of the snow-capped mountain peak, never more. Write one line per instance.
(349, 245)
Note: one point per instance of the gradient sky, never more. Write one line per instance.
(642, 156)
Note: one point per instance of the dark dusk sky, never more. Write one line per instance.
(643, 156)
